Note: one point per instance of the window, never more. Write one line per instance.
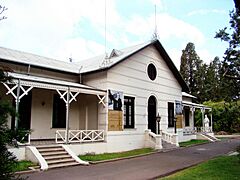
(170, 114)
(59, 112)
(152, 72)
(186, 116)
(128, 112)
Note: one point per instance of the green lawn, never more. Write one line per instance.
(192, 142)
(107, 156)
(23, 165)
(221, 168)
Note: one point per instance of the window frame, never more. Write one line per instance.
(170, 116)
(152, 71)
(129, 120)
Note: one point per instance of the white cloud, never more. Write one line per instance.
(206, 11)
(159, 4)
(205, 55)
(48, 28)
(168, 27)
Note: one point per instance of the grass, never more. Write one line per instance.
(221, 168)
(23, 165)
(108, 156)
(192, 142)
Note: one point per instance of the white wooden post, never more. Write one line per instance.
(17, 100)
(67, 116)
(211, 122)
(203, 110)
(86, 119)
(192, 110)
(67, 101)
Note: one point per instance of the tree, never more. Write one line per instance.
(7, 159)
(212, 81)
(192, 70)
(2, 9)
(231, 63)
(189, 56)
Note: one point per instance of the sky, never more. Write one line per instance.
(63, 29)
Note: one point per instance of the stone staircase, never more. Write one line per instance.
(56, 156)
(168, 146)
(209, 137)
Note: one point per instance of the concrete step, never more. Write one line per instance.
(58, 161)
(50, 149)
(57, 157)
(63, 165)
(48, 146)
(44, 154)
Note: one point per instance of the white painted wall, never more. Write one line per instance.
(18, 152)
(41, 114)
(99, 80)
(130, 76)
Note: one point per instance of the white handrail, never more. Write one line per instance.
(79, 136)
(170, 138)
(154, 139)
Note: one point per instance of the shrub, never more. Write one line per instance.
(226, 116)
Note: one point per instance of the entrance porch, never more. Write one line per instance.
(58, 110)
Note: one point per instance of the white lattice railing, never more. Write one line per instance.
(79, 136)
(188, 130)
(203, 129)
(170, 138)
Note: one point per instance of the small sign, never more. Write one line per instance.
(178, 108)
(115, 100)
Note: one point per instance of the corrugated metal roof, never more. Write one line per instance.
(32, 78)
(101, 62)
(89, 65)
(36, 60)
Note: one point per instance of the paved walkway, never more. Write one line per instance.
(145, 167)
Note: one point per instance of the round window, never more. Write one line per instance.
(152, 72)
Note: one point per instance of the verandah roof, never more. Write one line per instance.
(54, 84)
(191, 104)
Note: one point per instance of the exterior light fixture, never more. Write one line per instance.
(158, 119)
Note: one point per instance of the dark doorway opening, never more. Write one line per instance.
(152, 108)
(24, 113)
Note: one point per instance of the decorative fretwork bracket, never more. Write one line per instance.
(11, 90)
(101, 100)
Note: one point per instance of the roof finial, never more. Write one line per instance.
(105, 28)
(70, 58)
(155, 33)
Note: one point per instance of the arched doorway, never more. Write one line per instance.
(152, 113)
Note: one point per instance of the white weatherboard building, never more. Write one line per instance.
(103, 104)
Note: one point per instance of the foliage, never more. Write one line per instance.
(189, 65)
(192, 142)
(107, 156)
(226, 116)
(8, 161)
(198, 118)
(231, 63)
(221, 168)
(238, 150)
(212, 88)
(23, 165)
